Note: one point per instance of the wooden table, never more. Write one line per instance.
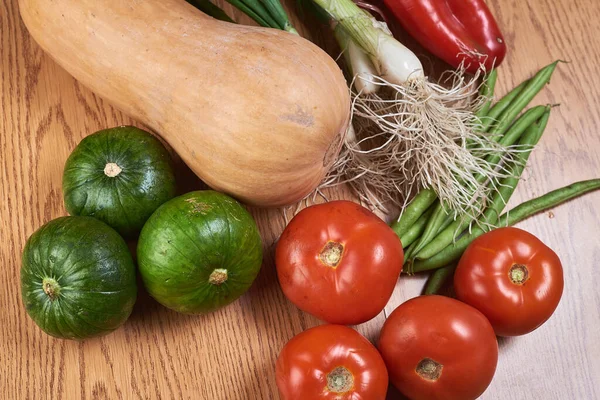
(230, 354)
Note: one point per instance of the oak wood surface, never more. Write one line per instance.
(230, 354)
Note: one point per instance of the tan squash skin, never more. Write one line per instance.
(257, 113)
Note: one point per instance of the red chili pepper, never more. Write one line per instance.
(453, 30)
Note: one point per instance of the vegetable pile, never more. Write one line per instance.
(263, 118)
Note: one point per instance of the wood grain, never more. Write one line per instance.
(230, 354)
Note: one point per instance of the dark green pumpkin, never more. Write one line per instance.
(120, 176)
(77, 278)
(199, 252)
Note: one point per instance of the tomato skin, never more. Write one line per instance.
(306, 360)
(359, 287)
(482, 280)
(451, 333)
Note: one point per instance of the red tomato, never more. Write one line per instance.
(339, 262)
(438, 348)
(331, 362)
(513, 278)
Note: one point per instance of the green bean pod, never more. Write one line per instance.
(416, 229)
(532, 88)
(422, 201)
(487, 92)
(524, 210)
(438, 278)
(438, 220)
(501, 105)
(525, 122)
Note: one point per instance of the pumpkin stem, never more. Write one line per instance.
(218, 276)
(51, 288)
(112, 169)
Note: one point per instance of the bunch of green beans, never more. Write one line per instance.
(428, 232)
(499, 121)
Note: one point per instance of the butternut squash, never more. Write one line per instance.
(254, 112)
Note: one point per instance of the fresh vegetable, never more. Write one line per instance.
(268, 13)
(358, 62)
(486, 91)
(460, 32)
(438, 278)
(513, 278)
(77, 278)
(119, 176)
(494, 112)
(415, 231)
(530, 90)
(256, 113)
(411, 213)
(331, 362)
(442, 227)
(529, 127)
(413, 133)
(339, 262)
(524, 210)
(437, 348)
(199, 252)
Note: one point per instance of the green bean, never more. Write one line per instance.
(487, 92)
(509, 184)
(209, 8)
(532, 88)
(416, 229)
(503, 112)
(413, 211)
(517, 128)
(438, 278)
(502, 105)
(446, 236)
(524, 210)
(438, 220)
(408, 254)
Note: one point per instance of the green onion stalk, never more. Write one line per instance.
(267, 13)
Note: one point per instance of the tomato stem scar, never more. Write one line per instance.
(429, 369)
(331, 255)
(518, 274)
(340, 380)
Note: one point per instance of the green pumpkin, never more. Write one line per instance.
(199, 252)
(77, 278)
(120, 176)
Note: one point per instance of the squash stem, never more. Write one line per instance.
(51, 288)
(218, 276)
